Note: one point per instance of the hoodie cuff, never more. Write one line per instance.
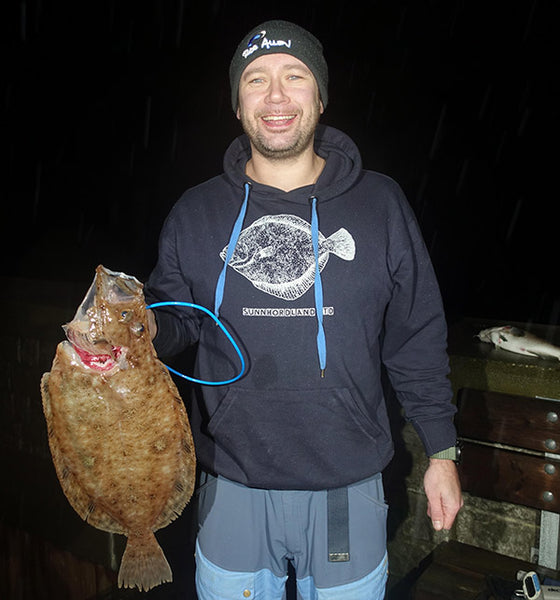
(437, 435)
(447, 454)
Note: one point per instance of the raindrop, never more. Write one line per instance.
(525, 95)
(523, 122)
(216, 8)
(81, 226)
(555, 312)
(420, 198)
(88, 234)
(223, 98)
(513, 220)
(352, 70)
(23, 21)
(462, 176)
(147, 116)
(459, 7)
(174, 138)
(8, 95)
(437, 135)
(433, 242)
(111, 16)
(130, 35)
(404, 60)
(500, 147)
(484, 103)
(131, 158)
(530, 21)
(370, 108)
(38, 171)
(38, 11)
(400, 25)
(161, 30)
(179, 30)
(18, 350)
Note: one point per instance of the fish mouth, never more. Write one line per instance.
(104, 363)
(99, 355)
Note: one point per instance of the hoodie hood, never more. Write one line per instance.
(342, 169)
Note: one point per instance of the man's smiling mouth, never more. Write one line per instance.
(278, 118)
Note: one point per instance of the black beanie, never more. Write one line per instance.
(279, 37)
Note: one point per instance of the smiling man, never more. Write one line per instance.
(319, 268)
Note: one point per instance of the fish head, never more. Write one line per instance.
(109, 323)
(492, 335)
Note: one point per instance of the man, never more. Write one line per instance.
(318, 268)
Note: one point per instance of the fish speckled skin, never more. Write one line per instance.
(118, 430)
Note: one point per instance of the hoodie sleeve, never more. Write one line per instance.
(177, 327)
(414, 347)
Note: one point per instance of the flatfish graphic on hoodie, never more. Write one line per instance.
(275, 254)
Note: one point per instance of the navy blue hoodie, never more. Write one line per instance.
(283, 426)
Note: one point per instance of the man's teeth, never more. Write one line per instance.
(278, 117)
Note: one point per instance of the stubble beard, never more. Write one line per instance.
(293, 148)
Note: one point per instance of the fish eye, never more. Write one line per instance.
(125, 316)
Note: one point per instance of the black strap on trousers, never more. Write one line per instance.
(337, 525)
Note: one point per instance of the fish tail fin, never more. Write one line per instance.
(342, 244)
(143, 563)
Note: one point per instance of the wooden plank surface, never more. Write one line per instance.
(508, 419)
(510, 476)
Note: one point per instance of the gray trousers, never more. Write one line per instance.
(253, 532)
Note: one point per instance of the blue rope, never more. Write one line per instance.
(222, 327)
(321, 342)
(219, 296)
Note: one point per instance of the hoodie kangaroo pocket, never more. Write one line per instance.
(293, 439)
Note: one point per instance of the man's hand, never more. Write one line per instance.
(443, 490)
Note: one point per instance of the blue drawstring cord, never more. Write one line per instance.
(222, 327)
(219, 295)
(318, 288)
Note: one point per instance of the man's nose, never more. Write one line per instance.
(276, 92)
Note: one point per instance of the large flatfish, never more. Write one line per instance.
(118, 431)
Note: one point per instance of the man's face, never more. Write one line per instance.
(279, 105)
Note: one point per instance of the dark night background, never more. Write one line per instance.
(113, 108)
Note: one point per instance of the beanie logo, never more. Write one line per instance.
(260, 40)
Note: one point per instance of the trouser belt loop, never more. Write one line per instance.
(337, 525)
